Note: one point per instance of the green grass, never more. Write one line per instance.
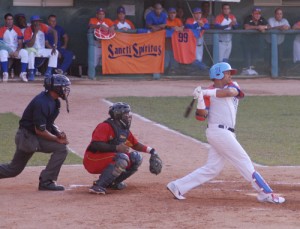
(267, 126)
(9, 124)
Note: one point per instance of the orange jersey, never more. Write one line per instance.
(28, 31)
(174, 23)
(106, 22)
(184, 46)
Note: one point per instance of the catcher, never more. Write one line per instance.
(109, 154)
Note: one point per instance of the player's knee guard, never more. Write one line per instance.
(121, 162)
(259, 181)
(136, 159)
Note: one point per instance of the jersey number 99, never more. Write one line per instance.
(183, 37)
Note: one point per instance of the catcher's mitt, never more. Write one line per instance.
(155, 164)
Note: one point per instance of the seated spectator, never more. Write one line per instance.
(277, 23)
(62, 44)
(251, 42)
(296, 46)
(201, 24)
(100, 21)
(20, 20)
(12, 36)
(156, 20)
(225, 21)
(172, 23)
(34, 38)
(121, 22)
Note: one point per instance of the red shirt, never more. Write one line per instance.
(104, 133)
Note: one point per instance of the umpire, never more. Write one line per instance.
(37, 132)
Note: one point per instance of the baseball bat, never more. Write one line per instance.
(189, 108)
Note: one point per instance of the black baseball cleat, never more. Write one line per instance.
(50, 185)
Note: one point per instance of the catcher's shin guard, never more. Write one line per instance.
(136, 160)
(260, 184)
(113, 171)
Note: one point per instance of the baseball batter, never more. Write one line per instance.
(219, 104)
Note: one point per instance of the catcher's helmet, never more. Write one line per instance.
(121, 112)
(59, 84)
(216, 71)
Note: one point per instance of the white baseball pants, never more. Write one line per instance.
(224, 147)
(43, 53)
(23, 55)
(224, 50)
(199, 49)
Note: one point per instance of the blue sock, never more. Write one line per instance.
(4, 66)
(31, 75)
(23, 67)
(48, 71)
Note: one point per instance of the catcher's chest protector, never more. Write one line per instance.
(121, 135)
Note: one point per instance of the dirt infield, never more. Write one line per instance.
(227, 202)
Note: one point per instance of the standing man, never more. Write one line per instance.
(157, 19)
(296, 44)
(220, 107)
(62, 44)
(252, 42)
(121, 22)
(109, 151)
(100, 22)
(277, 23)
(37, 132)
(200, 24)
(34, 38)
(175, 24)
(225, 21)
(12, 36)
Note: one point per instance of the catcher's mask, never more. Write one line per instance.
(60, 85)
(121, 112)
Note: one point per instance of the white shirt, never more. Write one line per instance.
(274, 23)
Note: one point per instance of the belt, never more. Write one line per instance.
(225, 127)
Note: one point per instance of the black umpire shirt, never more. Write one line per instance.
(40, 113)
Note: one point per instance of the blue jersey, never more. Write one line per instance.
(153, 19)
(60, 34)
(40, 113)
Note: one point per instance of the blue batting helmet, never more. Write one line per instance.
(216, 71)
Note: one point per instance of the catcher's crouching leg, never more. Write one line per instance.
(110, 174)
(136, 160)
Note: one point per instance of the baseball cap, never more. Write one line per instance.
(100, 10)
(121, 9)
(256, 9)
(197, 10)
(35, 18)
(171, 10)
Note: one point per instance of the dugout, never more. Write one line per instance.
(74, 15)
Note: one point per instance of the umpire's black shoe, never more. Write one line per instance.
(50, 185)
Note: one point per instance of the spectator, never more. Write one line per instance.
(122, 23)
(12, 36)
(62, 44)
(156, 20)
(251, 43)
(208, 38)
(20, 21)
(173, 23)
(96, 23)
(277, 23)
(201, 24)
(180, 15)
(34, 38)
(225, 21)
(296, 49)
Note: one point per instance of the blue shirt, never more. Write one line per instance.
(40, 113)
(153, 19)
(60, 34)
